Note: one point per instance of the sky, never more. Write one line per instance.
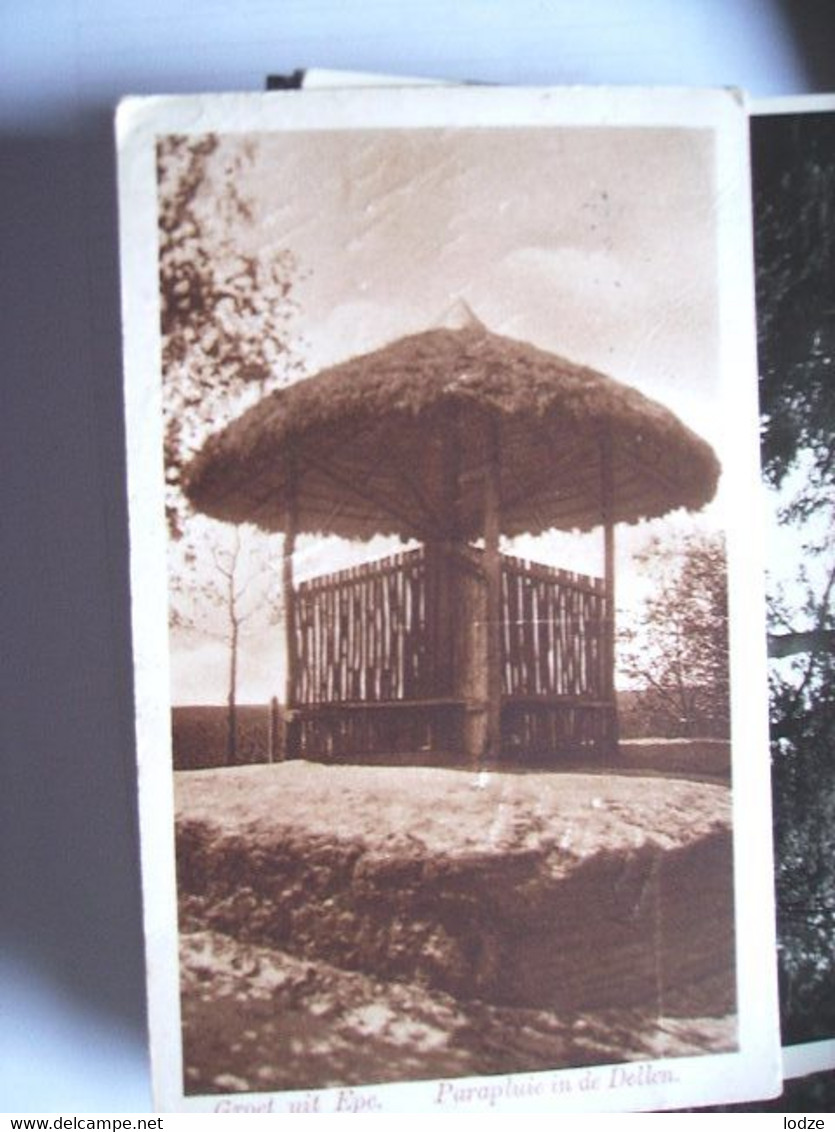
(598, 244)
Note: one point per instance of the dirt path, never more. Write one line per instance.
(256, 1019)
(347, 925)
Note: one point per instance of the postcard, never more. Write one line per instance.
(447, 591)
(791, 158)
(791, 174)
(792, 146)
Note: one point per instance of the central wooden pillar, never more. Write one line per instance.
(493, 581)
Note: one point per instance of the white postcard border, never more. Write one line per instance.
(756, 1068)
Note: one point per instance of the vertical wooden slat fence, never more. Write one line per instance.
(360, 633)
(556, 697)
(553, 626)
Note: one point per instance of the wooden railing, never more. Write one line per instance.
(361, 633)
(553, 632)
(369, 682)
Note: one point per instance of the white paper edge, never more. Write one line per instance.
(317, 78)
(754, 1071)
(791, 104)
(808, 1057)
(804, 1057)
(149, 604)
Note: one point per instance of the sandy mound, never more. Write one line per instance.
(568, 892)
(404, 810)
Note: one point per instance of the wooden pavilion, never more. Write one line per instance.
(452, 651)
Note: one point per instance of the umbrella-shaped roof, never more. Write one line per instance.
(395, 442)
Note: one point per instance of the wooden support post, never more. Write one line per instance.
(493, 579)
(291, 730)
(274, 745)
(607, 499)
(435, 610)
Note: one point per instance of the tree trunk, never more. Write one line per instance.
(231, 699)
(274, 749)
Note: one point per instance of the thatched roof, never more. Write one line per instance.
(380, 441)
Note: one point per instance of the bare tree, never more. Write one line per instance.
(226, 582)
(226, 312)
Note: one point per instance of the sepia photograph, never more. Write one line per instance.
(442, 435)
(793, 172)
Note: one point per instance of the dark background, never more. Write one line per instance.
(71, 973)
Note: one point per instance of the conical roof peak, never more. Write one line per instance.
(459, 316)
